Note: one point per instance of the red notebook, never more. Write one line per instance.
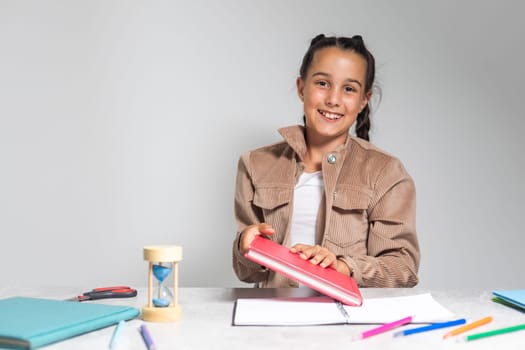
(327, 281)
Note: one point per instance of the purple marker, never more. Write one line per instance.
(146, 335)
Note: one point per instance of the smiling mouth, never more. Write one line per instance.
(331, 116)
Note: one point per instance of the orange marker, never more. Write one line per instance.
(468, 327)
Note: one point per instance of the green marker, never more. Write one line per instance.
(495, 332)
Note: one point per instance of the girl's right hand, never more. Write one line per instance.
(250, 232)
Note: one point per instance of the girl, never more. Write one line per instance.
(335, 199)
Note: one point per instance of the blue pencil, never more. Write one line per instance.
(116, 334)
(431, 327)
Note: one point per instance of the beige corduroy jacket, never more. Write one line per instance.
(367, 216)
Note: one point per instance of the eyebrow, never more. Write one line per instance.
(328, 75)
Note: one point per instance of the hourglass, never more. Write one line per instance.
(163, 269)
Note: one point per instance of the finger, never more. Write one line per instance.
(304, 250)
(323, 257)
(248, 236)
(297, 248)
(319, 257)
(328, 261)
(309, 252)
(266, 229)
(250, 232)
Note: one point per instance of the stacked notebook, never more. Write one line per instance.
(514, 298)
(32, 322)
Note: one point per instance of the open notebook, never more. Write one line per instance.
(323, 310)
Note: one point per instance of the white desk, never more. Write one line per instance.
(207, 315)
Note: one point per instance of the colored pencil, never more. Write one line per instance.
(495, 332)
(431, 327)
(116, 334)
(384, 328)
(468, 327)
(146, 335)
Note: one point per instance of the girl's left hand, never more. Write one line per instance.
(318, 255)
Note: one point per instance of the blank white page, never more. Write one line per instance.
(287, 312)
(422, 307)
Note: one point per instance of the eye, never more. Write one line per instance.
(322, 83)
(349, 89)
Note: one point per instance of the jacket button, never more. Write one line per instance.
(331, 158)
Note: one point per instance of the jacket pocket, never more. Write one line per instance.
(347, 199)
(348, 230)
(271, 197)
(273, 203)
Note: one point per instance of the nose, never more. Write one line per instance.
(333, 98)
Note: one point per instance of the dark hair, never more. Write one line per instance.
(357, 45)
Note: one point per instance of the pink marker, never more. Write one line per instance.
(384, 328)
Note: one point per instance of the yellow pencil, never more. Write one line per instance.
(468, 327)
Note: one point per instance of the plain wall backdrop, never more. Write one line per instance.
(121, 123)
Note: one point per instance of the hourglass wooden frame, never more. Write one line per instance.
(162, 254)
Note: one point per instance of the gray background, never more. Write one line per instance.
(121, 123)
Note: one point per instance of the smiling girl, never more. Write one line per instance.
(335, 199)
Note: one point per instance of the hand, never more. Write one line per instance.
(250, 232)
(321, 256)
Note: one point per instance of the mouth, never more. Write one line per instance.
(330, 115)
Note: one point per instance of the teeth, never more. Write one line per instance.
(332, 116)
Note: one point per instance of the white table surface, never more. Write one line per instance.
(207, 318)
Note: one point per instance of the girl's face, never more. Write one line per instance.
(333, 93)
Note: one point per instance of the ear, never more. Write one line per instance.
(367, 98)
(300, 88)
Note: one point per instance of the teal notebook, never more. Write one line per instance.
(32, 322)
(514, 297)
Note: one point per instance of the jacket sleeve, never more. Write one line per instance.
(245, 214)
(392, 258)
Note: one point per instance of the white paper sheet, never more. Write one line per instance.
(322, 310)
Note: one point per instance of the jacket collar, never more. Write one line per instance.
(295, 136)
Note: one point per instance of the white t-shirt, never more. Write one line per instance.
(307, 198)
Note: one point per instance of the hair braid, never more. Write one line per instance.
(363, 124)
